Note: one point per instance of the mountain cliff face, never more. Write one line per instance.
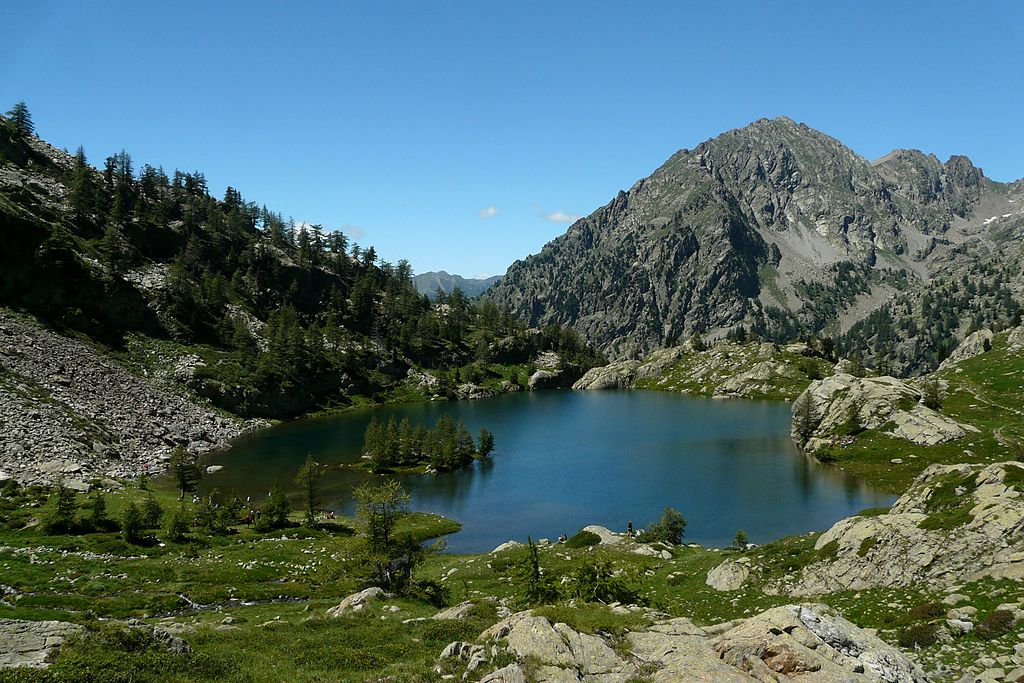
(775, 226)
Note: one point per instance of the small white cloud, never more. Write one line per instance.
(489, 212)
(560, 217)
(353, 231)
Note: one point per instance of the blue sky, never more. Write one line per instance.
(463, 136)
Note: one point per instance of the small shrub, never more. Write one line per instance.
(929, 610)
(583, 539)
(998, 623)
(866, 545)
(918, 635)
(669, 529)
(596, 581)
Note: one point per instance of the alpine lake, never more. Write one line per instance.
(566, 459)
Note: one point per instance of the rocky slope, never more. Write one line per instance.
(67, 411)
(794, 642)
(725, 369)
(775, 226)
(956, 523)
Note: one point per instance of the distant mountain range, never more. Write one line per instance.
(429, 283)
(785, 231)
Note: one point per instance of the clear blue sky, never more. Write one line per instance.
(457, 134)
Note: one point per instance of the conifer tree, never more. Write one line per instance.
(21, 119)
(308, 478)
(183, 467)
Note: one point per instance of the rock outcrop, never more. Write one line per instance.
(973, 345)
(795, 642)
(956, 523)
(68, 412)
(885, 404)
(724, 369)
(32, 643)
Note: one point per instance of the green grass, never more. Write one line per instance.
(277, 588)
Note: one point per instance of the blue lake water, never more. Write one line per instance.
(565, 459)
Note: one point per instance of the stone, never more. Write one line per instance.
(960, 626)
(1016, 675)
(728, 576)
(607, 536)
(955, 599)
(513, 673)
(459, 611)
(356, 601)
(507, 545)
(32, 643)
(213, 469)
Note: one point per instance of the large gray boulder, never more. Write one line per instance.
(956, 523)
(356, 601)
(32, 643)
(815, 644)
(728, 576)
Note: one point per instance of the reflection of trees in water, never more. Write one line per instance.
(451, 489)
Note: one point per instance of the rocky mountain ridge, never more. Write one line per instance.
(774, 226)
(430, 282)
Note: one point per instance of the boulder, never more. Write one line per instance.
(356, 601)
(513, 673)
(32, 643)
(607, 536)
(213, 469)
(813, 643)
(459, 611)
(728, 576)
(561, 652)
(507, 545)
